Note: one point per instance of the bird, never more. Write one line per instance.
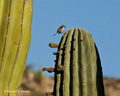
(60, 29)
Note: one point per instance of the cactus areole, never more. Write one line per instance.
(78, 69)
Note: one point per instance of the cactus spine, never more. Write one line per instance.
(15, 34)
(81, 73)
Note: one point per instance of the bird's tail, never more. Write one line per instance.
(54, 34)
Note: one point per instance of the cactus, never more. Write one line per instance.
(78, 69)
(53, 45)
(15, 34)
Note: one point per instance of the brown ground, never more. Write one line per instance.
(112, 87)
(34, 86)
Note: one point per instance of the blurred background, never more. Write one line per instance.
(100, 18)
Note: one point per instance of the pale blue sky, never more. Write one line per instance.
(101, 18)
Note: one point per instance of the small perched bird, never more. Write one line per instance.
(60, 30)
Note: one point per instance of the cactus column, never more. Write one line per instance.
(78, 68)
(15, 34)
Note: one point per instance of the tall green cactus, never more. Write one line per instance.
(78, 68)
(15, 34)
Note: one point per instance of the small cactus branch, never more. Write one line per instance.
(54, 53)
(51, 69)
(53, 45)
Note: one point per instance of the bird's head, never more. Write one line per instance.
(63, 26)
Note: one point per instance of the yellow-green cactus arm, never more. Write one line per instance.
(15, 34)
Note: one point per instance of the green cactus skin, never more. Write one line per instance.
(15, 35)
(82, 74)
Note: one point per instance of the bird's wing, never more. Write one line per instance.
(60, 29)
